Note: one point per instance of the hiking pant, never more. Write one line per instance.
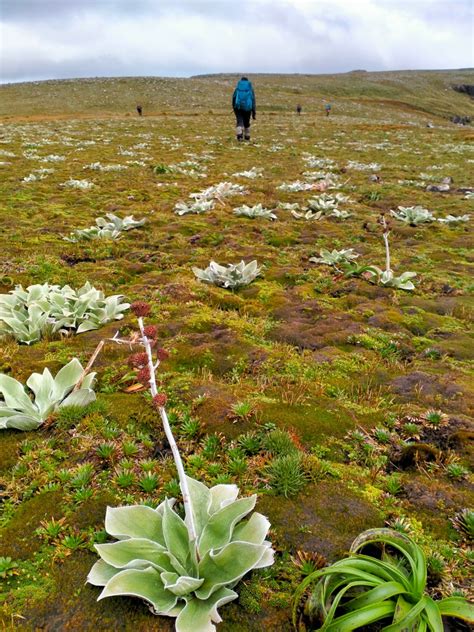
(243, 123)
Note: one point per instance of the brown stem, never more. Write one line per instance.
(88, 367)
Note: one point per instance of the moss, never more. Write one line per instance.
(91, 513)
(10, 441)
(313, 422)
(17, 539)
(72, 605)
(312, 520)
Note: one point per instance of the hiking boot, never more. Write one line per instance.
(240, 137)
(247, 137)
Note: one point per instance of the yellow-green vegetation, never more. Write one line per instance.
(343, 404)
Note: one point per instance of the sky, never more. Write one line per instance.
(58, 39)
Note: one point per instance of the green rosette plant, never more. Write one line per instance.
(156, 559)
(386, 585)
(19, 410)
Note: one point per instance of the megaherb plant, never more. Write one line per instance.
(70, 387)
(27, 314)
(386, 585)
(335, 257)
(110, 228)
(231, 277)
(256, 211)
(454, 219)
(184, 568)
(413, 215)
(197, 207)
(387, 277)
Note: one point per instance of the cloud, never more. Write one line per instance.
(67, 38)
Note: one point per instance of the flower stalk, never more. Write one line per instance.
(189, 520)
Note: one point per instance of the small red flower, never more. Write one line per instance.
(140, 308)
(162, 354)
(138, 360)
(143, 375)
(160, 400)
(150, 331)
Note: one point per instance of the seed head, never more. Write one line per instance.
(162, 354)
(138, 360)
(143, 375)
(150, 331)
(160, 400)
(140, 308)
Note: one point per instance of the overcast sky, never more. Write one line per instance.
(54, 39)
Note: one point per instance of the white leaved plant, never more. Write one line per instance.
(231, 276)
(454, 219)
(256, 211)
(155, 558)
(197, 207)
(334, 257)
(19, 410)
(27, 314)
(110, 228)
(413, 215)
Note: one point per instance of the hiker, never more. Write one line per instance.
(298, 109)
(139, 110)
(243, 104)
(327, 107)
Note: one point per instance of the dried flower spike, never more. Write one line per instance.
(138, 360)
(162, 354)
(143, 375)
(150, 331)
(140, 308)
(160, 400)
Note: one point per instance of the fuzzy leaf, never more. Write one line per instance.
(227, 566)
(218, 531)
(135, 553)
(145, 584)
(135, 521)
(198, 615)
(180, 585)
(253, 530)
(100, 573)
(176, 536)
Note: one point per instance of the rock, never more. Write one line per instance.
(461, 120)
(374, 178)
(447, 180)
(465, 88)
(430, 125)
(439, 188)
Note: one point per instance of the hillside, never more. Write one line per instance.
(336, 386)
(426, 93)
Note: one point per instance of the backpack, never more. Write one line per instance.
(244, 96)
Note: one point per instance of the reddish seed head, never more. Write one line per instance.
(138, 360)
(140, 308)
(143, 375)
(150, 331)
(160, 400)
(162, 354)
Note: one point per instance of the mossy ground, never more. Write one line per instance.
(342, 365)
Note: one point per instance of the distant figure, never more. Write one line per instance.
(243, 104)
(298, 109)
(327, 107)
(139, 110)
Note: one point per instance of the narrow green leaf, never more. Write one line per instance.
(457, 607)
(359, 618)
